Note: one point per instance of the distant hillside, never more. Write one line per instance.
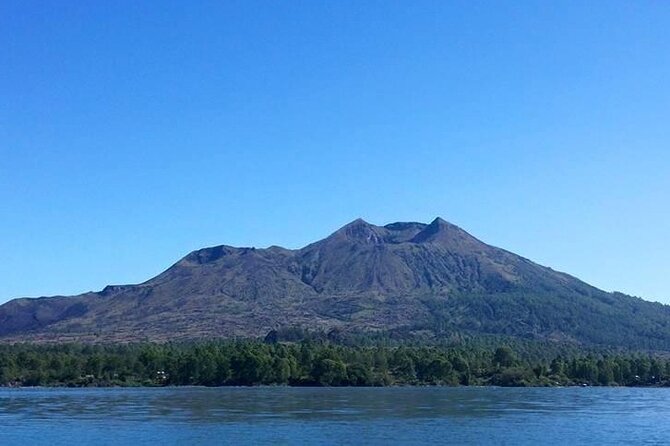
(409, 279)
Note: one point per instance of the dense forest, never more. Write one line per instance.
(323, 363)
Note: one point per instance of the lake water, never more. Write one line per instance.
(279, 415)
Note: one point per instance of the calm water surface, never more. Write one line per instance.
(168, 416)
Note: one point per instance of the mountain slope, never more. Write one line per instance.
(404, 277)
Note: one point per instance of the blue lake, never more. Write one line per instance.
(281, 415)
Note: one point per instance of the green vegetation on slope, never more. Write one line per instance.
(595, 318)
(310, 363)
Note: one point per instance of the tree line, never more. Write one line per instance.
(322, 363)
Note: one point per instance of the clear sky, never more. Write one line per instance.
(134, 132)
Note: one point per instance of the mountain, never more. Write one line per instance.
(409, 279)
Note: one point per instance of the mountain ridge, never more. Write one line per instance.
(410, 277)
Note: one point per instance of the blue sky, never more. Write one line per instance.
(134, 132)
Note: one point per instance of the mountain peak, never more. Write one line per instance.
(360, 230)
(441, 231)
(358, 222)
